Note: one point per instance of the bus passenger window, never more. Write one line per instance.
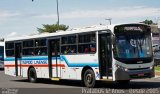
(9, 46)
(86, 50)
(92, 48)
(28, 52)
(41, 51)
(66, 50)
(40, 42)
(73, 50)
(53, 53)
(87, 43)
(32, 53)
(68, 45)
(69, 39)
(69, 49)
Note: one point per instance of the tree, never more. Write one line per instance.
(148, 22)
(52, 28)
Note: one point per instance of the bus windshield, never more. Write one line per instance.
(135, 46)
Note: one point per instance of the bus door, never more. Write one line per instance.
(54, 57)
(18, 56)
(105, 55)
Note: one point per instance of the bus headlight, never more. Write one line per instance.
(117, 66)
(151, 68)
(123, 68)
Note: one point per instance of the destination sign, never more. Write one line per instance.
(131, 28)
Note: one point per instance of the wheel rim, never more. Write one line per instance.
(89, 79)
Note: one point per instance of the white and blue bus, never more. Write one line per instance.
(116, 53)
(1, 55)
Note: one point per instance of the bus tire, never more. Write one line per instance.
(32, 75)
(89, 78)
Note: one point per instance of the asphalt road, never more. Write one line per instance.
(7, 81)
(144, 85)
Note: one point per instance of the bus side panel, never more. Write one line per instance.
(19, 68)
(67, 72)
(10, 71)
(38, 71)
(74, 65)
(9, 68)
(41, 72)
(44, 72)
(25, 71)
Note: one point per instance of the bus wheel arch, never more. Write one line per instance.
(32, 75)
(88, 77)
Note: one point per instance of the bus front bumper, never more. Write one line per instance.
(121, 74)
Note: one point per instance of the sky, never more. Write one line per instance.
(22, 17)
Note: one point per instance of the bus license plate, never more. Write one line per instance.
(141, 74)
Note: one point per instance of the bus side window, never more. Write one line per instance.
(87, 43)
(9, 49)
(43, 53)
(69, 45)
(40, 47)
(87, 48)
(69, 49)
(40, 52)
(32, 53)
(92, 48)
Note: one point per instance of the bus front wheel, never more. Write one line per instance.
(32, 76)
(89, 78)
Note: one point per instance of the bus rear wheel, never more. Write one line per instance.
(32, 76)
(89, 78)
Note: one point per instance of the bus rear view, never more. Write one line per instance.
(132, 51)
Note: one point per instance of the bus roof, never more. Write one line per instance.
(59, 33)
(72, 31)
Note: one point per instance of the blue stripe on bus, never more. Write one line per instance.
(78, 64)
(9, 59)
(62, 58)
